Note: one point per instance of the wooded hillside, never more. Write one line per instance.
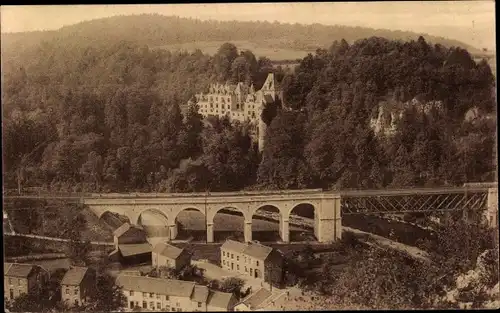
(108, 118)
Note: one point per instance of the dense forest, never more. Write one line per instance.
(156, 30)
(112, 117)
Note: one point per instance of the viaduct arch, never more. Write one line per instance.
(326, 207)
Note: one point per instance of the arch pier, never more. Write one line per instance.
(326, 208)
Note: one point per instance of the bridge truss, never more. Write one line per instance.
(414, 200)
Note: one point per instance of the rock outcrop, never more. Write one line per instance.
(475, 288)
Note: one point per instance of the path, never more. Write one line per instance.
(411, 250)
(97, 243)
(382, 241)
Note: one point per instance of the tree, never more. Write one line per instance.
(78, 252)
(45, 299)
(92, 170)
(107, 296)
(233, 285)
(283, 165)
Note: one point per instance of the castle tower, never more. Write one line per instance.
(269, 94)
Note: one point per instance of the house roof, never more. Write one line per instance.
(134, 249)
(200, 293)
(17, 269)
(170, 287)
(234, 246)
(122, 229)
(257, 250)
(74, 276)
(219, 299)
(167, 250)
(257, 298)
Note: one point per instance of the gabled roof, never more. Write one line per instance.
(257, 250)
(134, 249)
(169, 287)
(122, 229)
(234, 246)
(18, 269)
(200, 293)
(74, 276)
(167, 250)
(270, 83)
(258, 298)
(219, 299)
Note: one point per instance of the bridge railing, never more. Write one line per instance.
(203, 194)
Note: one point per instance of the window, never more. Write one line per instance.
(144, 305)
(237, 258)
(173, 309)
(158, 296)
(131, 293)
(67, 291)
(131, 304)
(257, 263)
(251, 271)
(232, 256)
(158, 305)
(246, 269)
(10, 281)
(238, 267)
(199, 304)
(76, 290)
(178, 304)
(76, 301)
(152, 305)
(12, 293)
(152, 295)
(167, 298)
(223, 253)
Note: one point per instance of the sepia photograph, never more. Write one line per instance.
(292, 156)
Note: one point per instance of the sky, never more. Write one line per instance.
(472, 22)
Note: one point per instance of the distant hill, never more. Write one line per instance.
(156, 30)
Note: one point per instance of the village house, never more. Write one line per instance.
(22, 278)
(254, 301)
(77, 285)
(264, 300)
(168, 255)
(254, 260)
(128, 234)
(131, 245)
(168, 295)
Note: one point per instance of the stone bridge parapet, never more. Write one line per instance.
(326, 208)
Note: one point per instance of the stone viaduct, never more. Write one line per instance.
(326, 205)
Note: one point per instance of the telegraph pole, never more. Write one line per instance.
(206, 219)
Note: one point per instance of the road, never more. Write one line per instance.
(97, 243)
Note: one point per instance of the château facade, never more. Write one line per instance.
(240, 102)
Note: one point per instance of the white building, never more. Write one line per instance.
(168, 295)
(241, 102)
